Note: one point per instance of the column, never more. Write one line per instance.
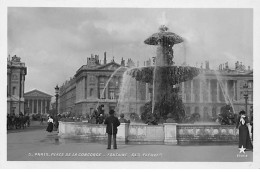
(107, 89)
(32, 105)
(191, 88)
(22, 85)
(45, 106)
(201, 95)
(49, 104)
(226, 88)
(209, 91)
(41, 106)
(37, 106)
(234, 90)
(217, 91)
(83, 87)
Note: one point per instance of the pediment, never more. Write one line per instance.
(110, 66)
(36, 93)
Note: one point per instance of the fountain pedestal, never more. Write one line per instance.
(122, 132)
(170, 133)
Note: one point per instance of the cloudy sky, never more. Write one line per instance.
(55, 42)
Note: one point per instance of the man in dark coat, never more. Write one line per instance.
(112, 123)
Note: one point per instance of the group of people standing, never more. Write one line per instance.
(18, 121)
(112, 122)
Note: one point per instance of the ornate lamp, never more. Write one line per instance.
(57, 96)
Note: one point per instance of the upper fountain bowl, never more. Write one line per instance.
(163, 36)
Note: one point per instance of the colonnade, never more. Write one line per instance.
(38, 106)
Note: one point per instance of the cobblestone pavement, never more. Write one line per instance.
(39, 145)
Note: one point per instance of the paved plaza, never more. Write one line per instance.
(36, 144)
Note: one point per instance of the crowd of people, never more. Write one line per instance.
(19, 121)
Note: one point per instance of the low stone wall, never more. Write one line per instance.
(145, 133)
(168, 133)
(82, 130)
(187, 134)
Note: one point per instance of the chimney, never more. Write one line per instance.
(236, 65)
(226, 65)
(105, 57)
(122, 62)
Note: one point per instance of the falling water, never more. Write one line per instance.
(226, 96)
(103, 91)
(154, 77)
(124, 90)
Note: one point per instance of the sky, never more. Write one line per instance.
(55, 42)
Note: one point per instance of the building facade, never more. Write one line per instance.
(211, 90)
(16, 71)
(37, 102)
(205, 94)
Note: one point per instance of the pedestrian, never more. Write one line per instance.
(112, 123)
(50, 124)
(244, 137)
(101, 119)
(41, 119)
(122, 119)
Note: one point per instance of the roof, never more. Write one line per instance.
(36, 93)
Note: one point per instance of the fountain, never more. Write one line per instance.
(164, 77)
(165, 108)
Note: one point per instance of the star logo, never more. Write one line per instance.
(242, 149)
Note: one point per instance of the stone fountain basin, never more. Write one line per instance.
(167, 133)
(174, 74)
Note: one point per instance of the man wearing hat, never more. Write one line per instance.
(112, 123)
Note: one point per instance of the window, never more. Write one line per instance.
(102, 93)
(91, 92)
(111, 95)
(187, 110)
(197, 109)
(14, 90)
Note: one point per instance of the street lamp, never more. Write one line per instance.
(246, 95)
(57, 96)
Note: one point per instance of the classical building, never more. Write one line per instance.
(211, 90)
(205, 94)
(16, 71)
(37, 102)
(85, 91)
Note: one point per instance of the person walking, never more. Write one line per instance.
(112, 123)
(244, 137)
(50, 125)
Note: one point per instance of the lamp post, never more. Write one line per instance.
(57, 96)
(246, 95)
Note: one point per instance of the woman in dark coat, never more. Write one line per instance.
(244, 137)
(50, 124)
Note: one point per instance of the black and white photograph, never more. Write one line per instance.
(127, 82)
